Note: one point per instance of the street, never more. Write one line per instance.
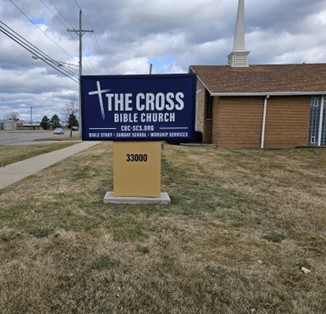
(14, 138)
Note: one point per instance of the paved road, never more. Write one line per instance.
(12, 138)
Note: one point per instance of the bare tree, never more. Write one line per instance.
(70, 114)
(71, 108)
(12, 116)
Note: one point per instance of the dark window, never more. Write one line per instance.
(209, 105)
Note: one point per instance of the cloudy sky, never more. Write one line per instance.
(129, 35)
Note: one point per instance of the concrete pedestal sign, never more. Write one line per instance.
(137, 112)
(137, 169)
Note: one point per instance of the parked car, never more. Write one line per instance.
(75, 128)
(58, 131)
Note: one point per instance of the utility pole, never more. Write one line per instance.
(80, 32)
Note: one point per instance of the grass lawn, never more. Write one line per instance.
(11, 154)
(241, 226)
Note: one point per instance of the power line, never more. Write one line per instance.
(22, 12)
(68, 23)
(37, 52)
(80, 32)
(64, 22)
(51, 11)
(95, 41)
(78, 5)
(97, 47)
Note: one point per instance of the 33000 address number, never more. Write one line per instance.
(136, 158)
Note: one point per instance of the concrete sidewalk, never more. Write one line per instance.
(19, 170)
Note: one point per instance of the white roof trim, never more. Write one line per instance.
(202, 82)
(269, 93)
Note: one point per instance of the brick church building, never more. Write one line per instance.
(260, 106)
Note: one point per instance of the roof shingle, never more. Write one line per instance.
(263, 79)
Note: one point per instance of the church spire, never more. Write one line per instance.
(239, 56)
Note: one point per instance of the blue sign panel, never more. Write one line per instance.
(138, 107)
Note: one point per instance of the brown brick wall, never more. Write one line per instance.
(207, 134)
(287, 122)
(203, 125)
(200, 106)
(237, 121)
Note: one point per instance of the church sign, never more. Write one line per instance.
(138, 107)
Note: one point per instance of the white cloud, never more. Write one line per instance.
(170, 34)
(132, 66)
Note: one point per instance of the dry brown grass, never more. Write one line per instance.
(11, 154)
(241, 225)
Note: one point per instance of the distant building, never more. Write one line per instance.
(31, 126)
(260, 106)
(9, 125)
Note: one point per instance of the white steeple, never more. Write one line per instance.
(239, 56)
